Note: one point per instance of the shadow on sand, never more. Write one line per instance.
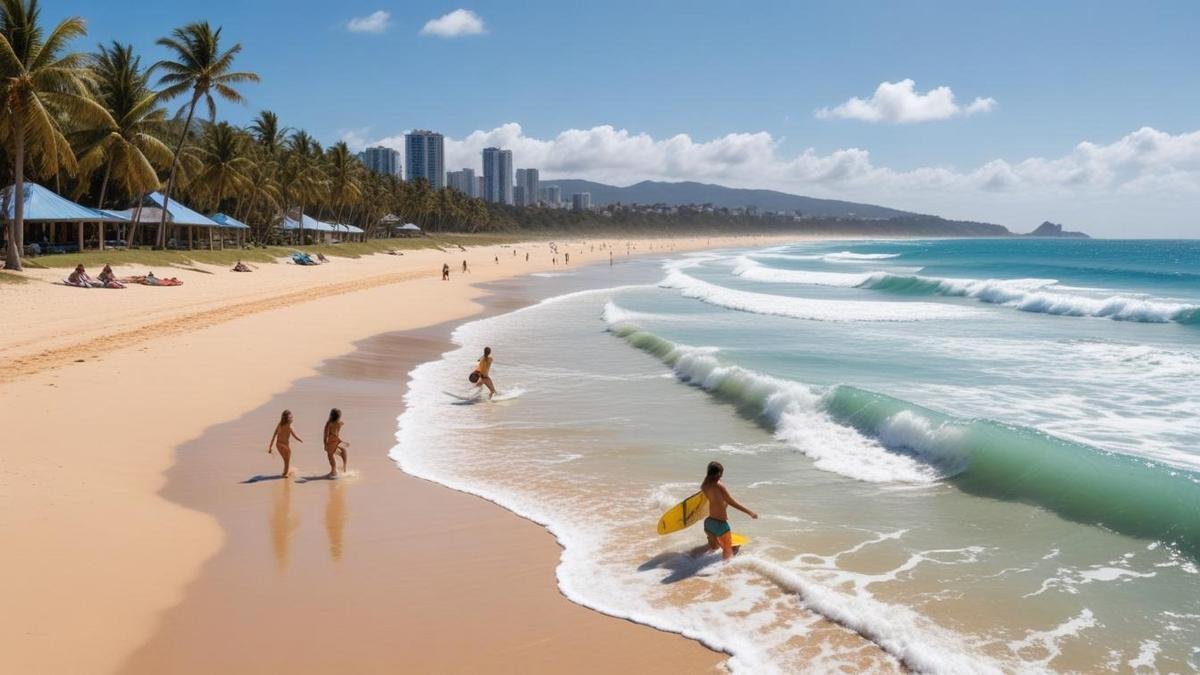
(682, 564)
(261, 477)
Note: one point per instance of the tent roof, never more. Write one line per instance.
(309, 222)
(409, 226)
(180, 214)
(42, 204)
(228, 221)
(352, 229)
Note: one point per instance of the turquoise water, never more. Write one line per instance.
(969, 456)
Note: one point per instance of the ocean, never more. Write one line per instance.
(967, 455)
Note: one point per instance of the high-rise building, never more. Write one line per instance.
(464, 181)
(498, 175)
(551, 195)
(381, 160)
(480, 187)
(519, 196)
(581, 201)
(528, 179)
(424, 157)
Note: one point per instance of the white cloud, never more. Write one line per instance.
(355, 139)
(900, 102)
(455, 24)
(375, 22)
(1118, 184)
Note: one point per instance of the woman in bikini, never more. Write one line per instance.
(334, 445)
(282, 439)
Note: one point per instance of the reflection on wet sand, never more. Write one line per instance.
(335, 517)
(282, 522)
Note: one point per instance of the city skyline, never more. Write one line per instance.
(1082, 113)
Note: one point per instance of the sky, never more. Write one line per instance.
(1083, 113)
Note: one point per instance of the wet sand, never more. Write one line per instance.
(377, 571)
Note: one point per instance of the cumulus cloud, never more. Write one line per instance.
(1145, 171)
(900, 103)
(375, 22)
(455, 24)
(355, 139)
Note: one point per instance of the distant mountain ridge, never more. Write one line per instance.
(688, 192)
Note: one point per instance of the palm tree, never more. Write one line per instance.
(223, 163)
(343, 178)
(130, 150)
(41, 90)
(304, 181)
(201, 68)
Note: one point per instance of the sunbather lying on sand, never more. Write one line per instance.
(241, 267)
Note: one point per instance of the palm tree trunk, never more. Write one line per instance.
(137, 217)
(16, 226)
(104, 183)
(162, 224)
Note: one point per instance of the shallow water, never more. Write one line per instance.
(968, 455)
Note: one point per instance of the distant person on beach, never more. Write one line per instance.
(497, 258)
(282, 439)
(566, 258)
(716, 525)
(465, 270)
(445, 271)
(334, 445)
(527, 256)
(482, 377)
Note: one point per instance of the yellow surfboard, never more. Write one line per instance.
(684, 514)
(739, 539)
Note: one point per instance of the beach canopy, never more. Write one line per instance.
(228, 221)
(178, 214)
(309, 222)
(412, 227)
(351, 229)
(43, 205)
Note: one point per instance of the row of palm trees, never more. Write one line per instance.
(95, 126)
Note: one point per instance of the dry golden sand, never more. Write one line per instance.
(100, 387)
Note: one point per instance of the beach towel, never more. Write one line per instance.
(79, 284)
(302, 259)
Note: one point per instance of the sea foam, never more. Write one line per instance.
(808, 308)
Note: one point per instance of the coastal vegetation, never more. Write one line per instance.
(103, 129)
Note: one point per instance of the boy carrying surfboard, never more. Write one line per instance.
(716, 525)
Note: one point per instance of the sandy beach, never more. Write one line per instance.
(136, 417)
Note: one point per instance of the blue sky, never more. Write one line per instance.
(743, 82)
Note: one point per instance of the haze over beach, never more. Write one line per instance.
(800, 337)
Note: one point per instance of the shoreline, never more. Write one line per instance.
(93, 490)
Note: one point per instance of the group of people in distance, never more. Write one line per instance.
(332, 437)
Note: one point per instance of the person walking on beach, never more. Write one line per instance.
(716, 525)
(445, 271)
(282, 439)
(465, 270)
(334, 445)
(567, 258)
(483, 368)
